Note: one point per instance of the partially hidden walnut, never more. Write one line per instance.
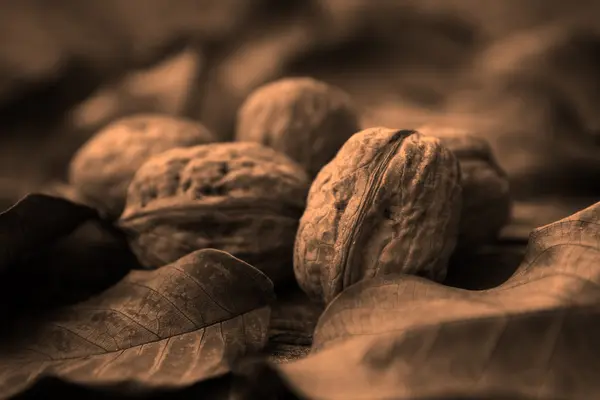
(306, 119)
(388, 202)
(486, 200)
(102, 168)
(242, 198)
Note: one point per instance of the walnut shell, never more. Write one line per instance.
(388, 202)
(242, 198)
(486, 200)
(304, 118)
(102, 168)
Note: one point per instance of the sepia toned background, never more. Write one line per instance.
(523, 73)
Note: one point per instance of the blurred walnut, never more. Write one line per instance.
(486, 201)
(538, 90)
(102, 169)
(242, 198)
(306, 119)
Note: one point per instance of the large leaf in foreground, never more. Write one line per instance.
(534, 337)
(36, 220)
(154, 329)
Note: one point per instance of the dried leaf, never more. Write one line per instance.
(69, 192)
(167, 328)
(75, 267)
(36, 220)
(404, 337)
(492, 265)
(528, 215)
(55, 251)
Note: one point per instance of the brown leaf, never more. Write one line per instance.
(405, 337)
(167, 328)
(72, 269)
(528, 215)
(37, 220)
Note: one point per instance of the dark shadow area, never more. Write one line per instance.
(74, 268)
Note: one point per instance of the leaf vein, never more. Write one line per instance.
(156, 364)
(196, 326)
(201, 287)
(124, 315)
(79, 336)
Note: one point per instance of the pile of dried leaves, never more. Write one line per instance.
(79, 318)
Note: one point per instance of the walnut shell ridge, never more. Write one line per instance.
(389, 202)
(306, 119)
(103, 167)
(242, 198)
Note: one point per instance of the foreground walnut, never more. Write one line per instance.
(388, 202)
(103, 167)
(243, 198)
(486, 201)
(304, 118)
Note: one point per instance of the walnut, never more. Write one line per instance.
(486, 201)
(102, 168)
(304, 118)
(242, 198)
(388, 202)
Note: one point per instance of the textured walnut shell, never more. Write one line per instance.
(486, 201)
(388, 202)
(304, 118)
(102, 168)
(242, 198)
